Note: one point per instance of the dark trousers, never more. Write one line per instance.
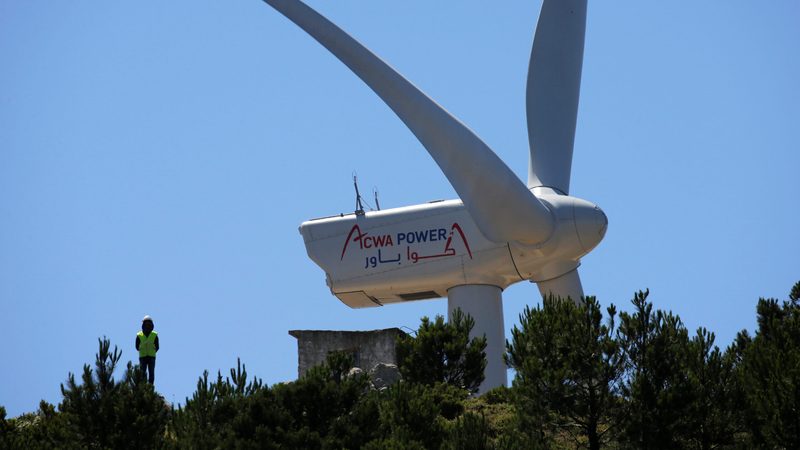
(148, 365)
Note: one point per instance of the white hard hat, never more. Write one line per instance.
(146, 318)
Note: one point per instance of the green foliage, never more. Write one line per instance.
(679, 392)
(101, 412)
(317, 402)
(769, 373)
(494, 416)
(442, 352)
(581, 381)
(44, 429)
(409, 414)
(568, 368)
(657, 393)
(312, 412)
(6, 430)
(470, 432)
(222, 410)
(326, 408)
(712, 419)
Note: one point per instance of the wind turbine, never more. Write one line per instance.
(501, 231)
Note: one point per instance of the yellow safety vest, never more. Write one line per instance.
(147, 344)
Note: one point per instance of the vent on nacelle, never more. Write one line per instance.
(424, 295)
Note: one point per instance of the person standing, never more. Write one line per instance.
(147, 345)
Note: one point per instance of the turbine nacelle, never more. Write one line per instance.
(422, 251)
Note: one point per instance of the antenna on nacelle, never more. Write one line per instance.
(375, 194)
(359, 207)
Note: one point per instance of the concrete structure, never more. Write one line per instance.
(367, 347)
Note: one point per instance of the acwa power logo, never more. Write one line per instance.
(403, 246)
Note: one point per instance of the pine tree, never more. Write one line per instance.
(101, 412)
(770, 373)
(657, 393)
(568, 367)
(232, 411)
(713, 418)
(442, 352)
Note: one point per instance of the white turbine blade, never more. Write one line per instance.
(554, 83)
(502, 207)
(567, 285)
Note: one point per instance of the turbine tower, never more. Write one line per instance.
(501, 231)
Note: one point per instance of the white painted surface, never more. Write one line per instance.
(554, 84)
(485, 304)
(567, 285)
(499, 203)
(503, 232)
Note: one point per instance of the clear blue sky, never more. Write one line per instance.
(157, 158)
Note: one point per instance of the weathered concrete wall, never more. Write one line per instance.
(368, 347)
